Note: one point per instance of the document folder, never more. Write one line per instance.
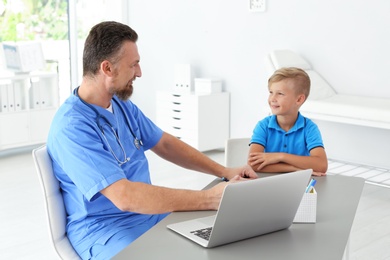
(11, 98)
(18, 95)
(3, 97)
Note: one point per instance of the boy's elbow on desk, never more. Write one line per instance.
(321, 168)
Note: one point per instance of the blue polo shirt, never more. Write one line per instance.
(299, 140)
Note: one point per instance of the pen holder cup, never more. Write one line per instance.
(307, 211)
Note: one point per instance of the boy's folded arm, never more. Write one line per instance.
(276, 168)
(316, 161)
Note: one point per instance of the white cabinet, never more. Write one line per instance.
(201, 120)
(28, 103)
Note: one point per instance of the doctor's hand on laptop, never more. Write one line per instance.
(235, 175)
(245, 172)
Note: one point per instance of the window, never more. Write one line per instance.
(61, 26)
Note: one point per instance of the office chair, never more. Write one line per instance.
(236, 152)
(54, 204)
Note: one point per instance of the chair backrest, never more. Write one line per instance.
(54, 204)
(236, 152)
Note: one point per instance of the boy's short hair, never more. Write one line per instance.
(300, 77)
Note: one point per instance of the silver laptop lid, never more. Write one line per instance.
(250, 208)
(259, 206)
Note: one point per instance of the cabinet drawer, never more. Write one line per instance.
(181, 122)
(180, 131)
(40, 122)
(178, 103)
(202, 121)
(173, 98)
(179, 108)
(14, 128)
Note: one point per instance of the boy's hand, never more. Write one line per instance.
(318, 173)
(263, 159)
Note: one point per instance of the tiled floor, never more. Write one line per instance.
(24, 233)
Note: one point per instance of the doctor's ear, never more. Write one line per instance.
(106, 67)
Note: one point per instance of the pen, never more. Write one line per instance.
(311, 184)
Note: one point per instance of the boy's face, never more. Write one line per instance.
(283, 99)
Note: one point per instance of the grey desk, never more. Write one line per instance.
(337, 201)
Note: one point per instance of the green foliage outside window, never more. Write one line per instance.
(24, 20)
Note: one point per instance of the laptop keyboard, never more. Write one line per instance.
(203, 233)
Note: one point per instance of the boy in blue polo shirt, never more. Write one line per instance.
(287, 141)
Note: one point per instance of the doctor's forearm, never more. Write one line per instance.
(149, 199)
(180, 153)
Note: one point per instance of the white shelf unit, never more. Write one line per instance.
(28, 103)
(200, 120)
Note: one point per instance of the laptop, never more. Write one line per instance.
(248, 209)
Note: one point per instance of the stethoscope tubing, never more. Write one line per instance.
(99, 116)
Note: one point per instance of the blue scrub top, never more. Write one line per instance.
(299, 140)
(84, 165)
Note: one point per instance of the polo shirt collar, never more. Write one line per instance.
(300, 123)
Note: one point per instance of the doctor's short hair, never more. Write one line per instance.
(104, 42)
(300, 77)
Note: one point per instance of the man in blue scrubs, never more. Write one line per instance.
(97, 143)
(287, 141)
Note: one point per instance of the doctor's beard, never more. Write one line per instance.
(125, 93)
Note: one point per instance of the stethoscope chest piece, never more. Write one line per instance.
(138, 143)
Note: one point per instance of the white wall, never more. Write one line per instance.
(347, 42)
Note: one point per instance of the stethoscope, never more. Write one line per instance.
(137, 142)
